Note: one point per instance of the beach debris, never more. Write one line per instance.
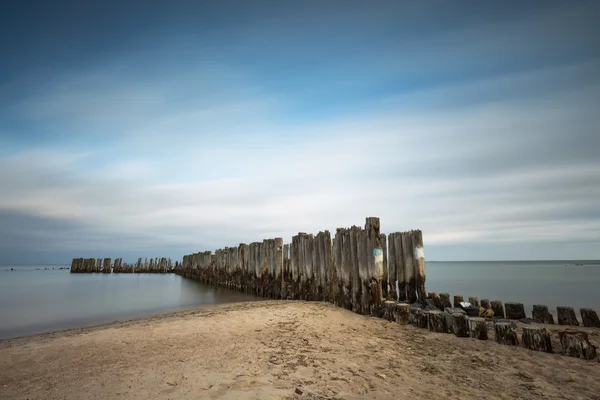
(505, 334)
(566, 316)
(577, 344)
(590, 318)
(541, 314)
(537, 338)
(298, 391)
(515, 310)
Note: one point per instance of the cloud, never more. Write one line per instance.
(477, 136)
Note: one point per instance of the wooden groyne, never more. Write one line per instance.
(155, 266)
(349, 270)
(363, 270)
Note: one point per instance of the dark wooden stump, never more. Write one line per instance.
(449, 322)
(515, 310)
(436, 321)
(402, 313)
(505, 334)
(474, 301)
(589, 318)
(477, 328)
(576, 344)
(541, 314)
(485, 303)
(498, 308)
(461, 327)
(445, 300)
(457, 301)
(389, 310)
(537, 338)
(566, 316)
(420, 319)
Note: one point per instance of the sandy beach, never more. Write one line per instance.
(278, 350)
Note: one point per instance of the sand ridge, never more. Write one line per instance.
(276, 349)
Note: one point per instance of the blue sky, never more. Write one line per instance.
(164, 128)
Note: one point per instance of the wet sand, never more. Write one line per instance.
(277, 349)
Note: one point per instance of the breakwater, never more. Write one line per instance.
(89, 265)
(363, 270)
(349, 270)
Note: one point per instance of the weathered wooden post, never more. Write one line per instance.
(374, 266)
(457, 301)
(445, 301)
(389, 310)
(505, 334)
(363, 256)
(392, 278)
(537, 338)
(498, 308)
(589, 318)
(437, 321)
(409, 270)
(419, 264)
(330, 268)
(420, 319)
(278, 266)
(474, 301)
(355, 265)
(514, 310)
(477, 328)
(566, 316)
(339, 260)
(384, 278)
(285, 286)
(402, 313)
(577, 344)
(400, 266)
(106, 268)
(541, 314)
(485, 303)
(460, 326)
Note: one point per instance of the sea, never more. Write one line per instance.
(44, 298)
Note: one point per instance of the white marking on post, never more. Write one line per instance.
(419, 253)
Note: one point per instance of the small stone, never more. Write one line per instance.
(298, 391)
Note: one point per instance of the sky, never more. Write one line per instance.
(162, 128)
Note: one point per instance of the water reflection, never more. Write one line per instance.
(35, 301)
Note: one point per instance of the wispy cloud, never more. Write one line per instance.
(207, 152)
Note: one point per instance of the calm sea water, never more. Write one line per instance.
(553, 283)
(35, 301)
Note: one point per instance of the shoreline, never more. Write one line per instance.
(195, 309)
(270, 348)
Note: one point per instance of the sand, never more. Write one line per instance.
(277, 349)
